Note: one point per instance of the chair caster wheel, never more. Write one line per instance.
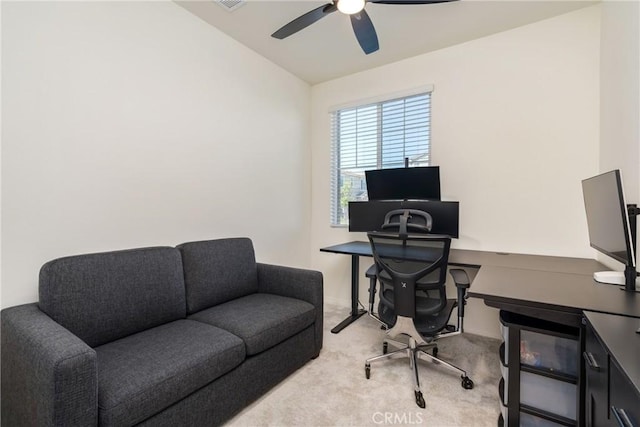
(434, 352)
(367, 371)
(467, 384)
(385, 348)
(420, 399)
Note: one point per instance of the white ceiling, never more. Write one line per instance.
(328, 48)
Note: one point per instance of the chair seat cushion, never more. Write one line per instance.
(142, 374)
(427, 325)
(261, 320)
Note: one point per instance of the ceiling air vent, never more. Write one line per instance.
(230, 5)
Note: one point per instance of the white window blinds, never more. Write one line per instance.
(375, 136)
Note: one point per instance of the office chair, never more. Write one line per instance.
(403, 221)
(412, 273)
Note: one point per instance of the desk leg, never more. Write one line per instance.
(355, 311)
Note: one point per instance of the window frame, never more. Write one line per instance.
(335, 214)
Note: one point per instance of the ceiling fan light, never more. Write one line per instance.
(349, 7)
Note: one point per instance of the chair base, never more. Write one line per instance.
(414, 350)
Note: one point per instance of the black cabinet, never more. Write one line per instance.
(612, 370)
(597, 381)
(625, 399)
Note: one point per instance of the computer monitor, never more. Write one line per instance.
(415, 183)
(369, 216)
(610, 221)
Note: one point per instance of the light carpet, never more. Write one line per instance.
(332, 390)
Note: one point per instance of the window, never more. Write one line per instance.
(375, 136)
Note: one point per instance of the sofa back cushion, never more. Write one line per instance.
(105, 296)
(217, 271)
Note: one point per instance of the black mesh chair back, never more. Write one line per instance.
(412, 270)
(402, 221)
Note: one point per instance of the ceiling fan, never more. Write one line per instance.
(360, 21)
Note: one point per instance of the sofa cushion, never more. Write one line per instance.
(145, 373)
(261, 320)
(105, 296)
(217, 271)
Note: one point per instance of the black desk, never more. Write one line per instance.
(357, 249)
(528, 284)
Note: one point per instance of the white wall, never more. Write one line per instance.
(131, 124)
(515, 129)
(620, 97)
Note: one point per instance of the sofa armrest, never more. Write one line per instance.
(306, 285)
(49, 376)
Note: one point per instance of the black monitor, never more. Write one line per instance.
(611, 224)
(416, 183)
(369, 216)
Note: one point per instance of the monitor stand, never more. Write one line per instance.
(609, 277)
(614, 278)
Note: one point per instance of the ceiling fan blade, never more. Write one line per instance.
(304, 21)
(365, 33)
(409, 1)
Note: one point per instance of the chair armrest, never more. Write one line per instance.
(371, 271)
(303, 284)
(460, 278)
(49, 376)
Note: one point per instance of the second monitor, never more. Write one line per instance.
(417, 183)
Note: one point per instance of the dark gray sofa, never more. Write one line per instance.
(156, 336)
